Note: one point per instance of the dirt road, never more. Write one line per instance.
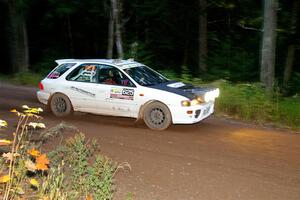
(212, 160)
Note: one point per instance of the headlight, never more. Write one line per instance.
(186, 103)
(217, 92)
(208, 96)
(195, 102)
(211, 95)
(200, 99)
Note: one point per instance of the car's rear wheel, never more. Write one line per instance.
(157, 116)
(60, 105)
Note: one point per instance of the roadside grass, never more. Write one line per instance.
(74, 170)
(23, 78)
(249, 102)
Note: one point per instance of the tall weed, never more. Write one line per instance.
(74, 170)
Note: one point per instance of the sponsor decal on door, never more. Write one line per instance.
(122, 93)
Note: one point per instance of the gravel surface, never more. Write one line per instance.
(214, 159)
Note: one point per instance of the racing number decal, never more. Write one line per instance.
(128, 92)
(118, 93)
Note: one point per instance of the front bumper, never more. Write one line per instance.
(43, 97)
(199, 112)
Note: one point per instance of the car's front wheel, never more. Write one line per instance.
(60, 105)
(157, 116)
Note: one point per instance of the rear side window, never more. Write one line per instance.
(84, 73)
(60, 70)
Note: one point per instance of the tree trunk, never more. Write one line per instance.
(118, 15)
(25, 52)
(18, 41)
(110, 37)
(268, 44)
(288, 65)
(291, 45)
(202, 36)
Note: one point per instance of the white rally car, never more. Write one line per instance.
(124, 88)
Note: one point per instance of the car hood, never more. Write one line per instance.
(187, 90)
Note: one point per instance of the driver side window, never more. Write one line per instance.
(112, 76)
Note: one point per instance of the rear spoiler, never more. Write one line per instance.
(60, 61)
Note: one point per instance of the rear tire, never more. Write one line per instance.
(60, 105)
(157, 116)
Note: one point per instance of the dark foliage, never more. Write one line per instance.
(160, 33)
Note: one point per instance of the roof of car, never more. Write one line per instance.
(117, 62)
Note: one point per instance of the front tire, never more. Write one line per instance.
(157, 116)
(60, 105)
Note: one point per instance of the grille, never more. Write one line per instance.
(197, 113)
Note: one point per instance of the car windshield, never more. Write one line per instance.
(145, 76)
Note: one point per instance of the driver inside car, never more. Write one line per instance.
(111, 78)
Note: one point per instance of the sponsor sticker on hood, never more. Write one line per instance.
(176, 85)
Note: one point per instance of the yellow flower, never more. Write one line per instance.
(4, 179)
(4, 142)
(34, 152)
(42, 162)
(32, 110)
(34, 182)
(3, 123)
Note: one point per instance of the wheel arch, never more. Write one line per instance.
(50, 98)
(142, 108)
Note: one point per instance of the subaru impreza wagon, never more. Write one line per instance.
(124, 88)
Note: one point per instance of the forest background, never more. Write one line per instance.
(248, 48)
